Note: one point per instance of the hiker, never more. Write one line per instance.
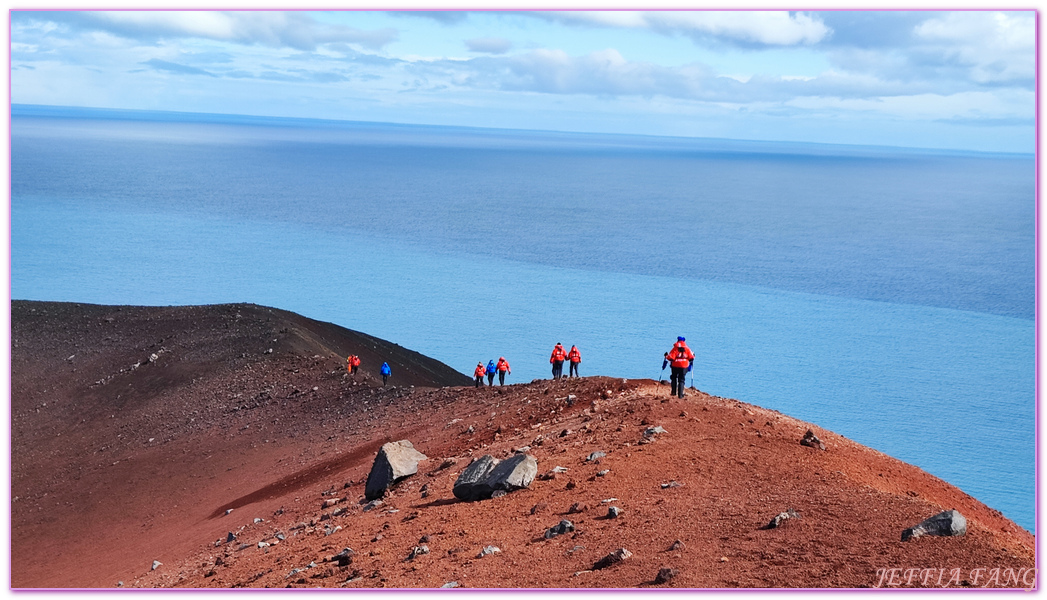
(503, 367)
(681, 359)
(557, 358)
(352, 364)
(491, 370)
(386, 372)
(479, 373)
(349, 364)
(575, 357)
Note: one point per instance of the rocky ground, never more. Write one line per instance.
(233, 465)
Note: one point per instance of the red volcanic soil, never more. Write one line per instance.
(115, 466)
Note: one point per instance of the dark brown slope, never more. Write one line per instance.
(274, 458)
(104, 451)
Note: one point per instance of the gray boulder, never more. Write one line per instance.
(947, 523)
(486, 476)
(395, 461)
(472, 483)
(515, 473)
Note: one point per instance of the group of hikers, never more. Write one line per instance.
(501, 369)
(352, 364)
(680, 358)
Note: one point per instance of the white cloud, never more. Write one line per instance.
(267, 28)
(771, 28)
(993, 47)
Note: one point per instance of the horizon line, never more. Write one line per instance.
(56, 110)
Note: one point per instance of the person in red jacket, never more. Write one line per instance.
(503, 368)
(574, 357)
(680, 358)
(352, 364)
(557, 358)
(479, 373)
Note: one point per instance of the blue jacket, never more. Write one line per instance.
(385, 369)
(490, 368)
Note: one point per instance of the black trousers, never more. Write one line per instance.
(479, 380)
(384, 379)
(574, 370)
(501, 377)
(557, 369)
(678, 380)
(490, 379)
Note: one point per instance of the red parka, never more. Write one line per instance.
(559, 354)
(681, 355)
(574, 355)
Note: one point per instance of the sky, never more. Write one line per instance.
(934, 79)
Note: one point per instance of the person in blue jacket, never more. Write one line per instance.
(386, 372)
(491, 371)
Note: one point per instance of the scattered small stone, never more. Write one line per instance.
(447, 463)
(257, 520)
(559, 469)
(563, 527)
(471, 430)
(577, 507)
(343, 558)
(677, 545)
(373, 504)
(612, 559)
(230, 538)
(664, 575)
(330, 530)
(571, 399)
(596, 456)
(488, 550)
(418, 551)
(608, 500)
(566, 432)
(653, 431)
(575, 549)
(377, 537)
(539, 508)
(330, 502)
(782, 517)
(119, 584)
(263, 544)
(156, 564)
(450, 584)
(603, 473)
(812, 441)
(522, 450)
(570, 485)
(228, 511)
(672, 484)
(724, 559)
(281, 536)
(498, 493)
(613, 512)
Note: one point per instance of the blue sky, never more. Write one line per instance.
(962, 79)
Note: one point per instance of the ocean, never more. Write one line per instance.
(886, 294)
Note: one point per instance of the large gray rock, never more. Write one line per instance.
(515, 473)
(947, 523)
(395, 461)
(472, 483)
(487, 475)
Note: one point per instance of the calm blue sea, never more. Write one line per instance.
(885, 294)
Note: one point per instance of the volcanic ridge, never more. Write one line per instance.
(226, 446)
